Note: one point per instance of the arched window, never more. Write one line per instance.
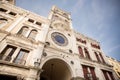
(97, 56)
(80, 51)
(87, 53)
(3, 22)
(23, 31)
(32, 34)
(101, 57)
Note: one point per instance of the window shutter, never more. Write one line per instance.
(105, 75)
(93, 73)
(85, 71)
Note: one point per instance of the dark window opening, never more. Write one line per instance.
(38, 23)
(3, 19)
(69, 35)
(31, 20)
(12, 13)
(3, 10)
(70, 51)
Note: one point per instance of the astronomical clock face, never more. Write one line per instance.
(59, 39)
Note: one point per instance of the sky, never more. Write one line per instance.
(97, 19)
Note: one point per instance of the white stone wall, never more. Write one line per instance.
(37, 47)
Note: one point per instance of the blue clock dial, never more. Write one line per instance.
(59, 39)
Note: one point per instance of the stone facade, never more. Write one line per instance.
(33, 47)
(115, 64)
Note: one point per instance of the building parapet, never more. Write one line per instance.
(87, 38)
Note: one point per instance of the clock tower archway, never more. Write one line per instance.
(55, 69)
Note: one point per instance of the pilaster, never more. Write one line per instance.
(33, 74)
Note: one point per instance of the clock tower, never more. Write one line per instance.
(60, 19)
(60, 34)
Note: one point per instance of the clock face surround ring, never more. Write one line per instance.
(59, 39)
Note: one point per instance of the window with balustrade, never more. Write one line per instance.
(89, 73)
(108, 75)
(21, 57)
(7, 53)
